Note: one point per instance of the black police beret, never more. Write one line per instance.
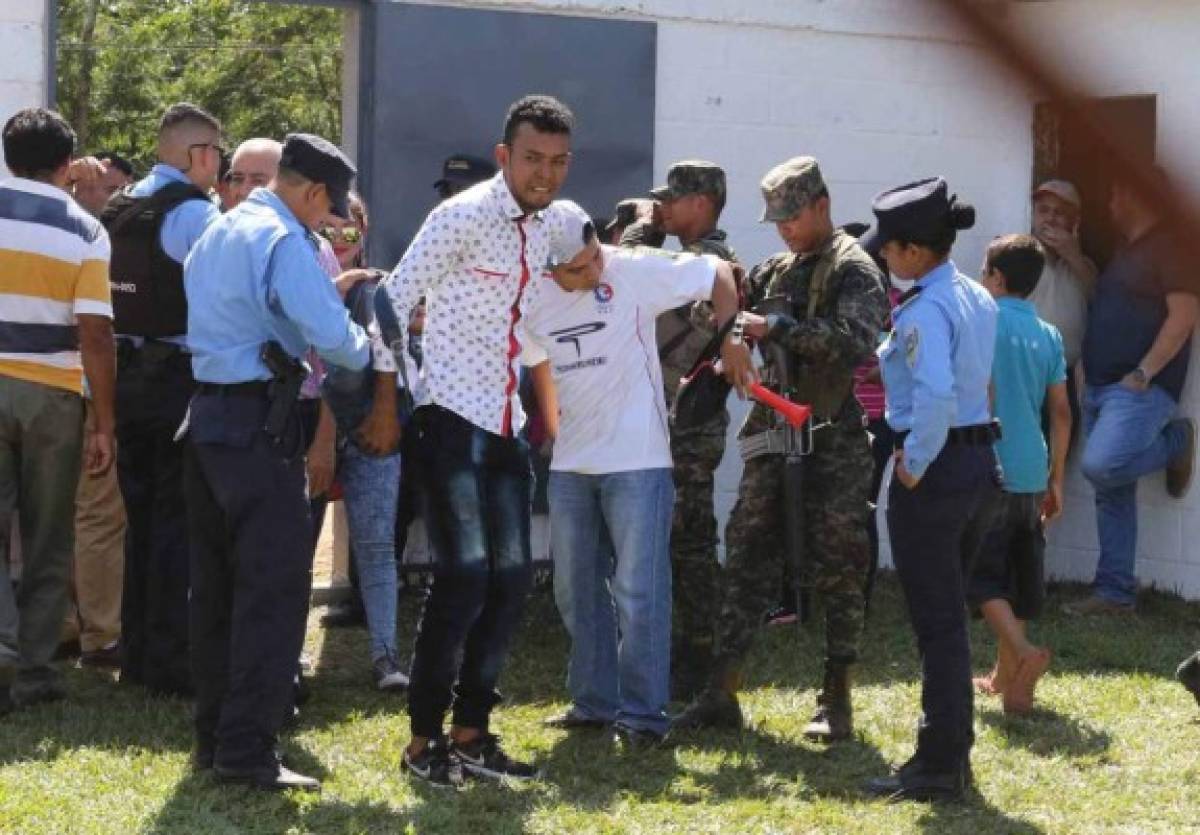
(322, 162)
(920, 211)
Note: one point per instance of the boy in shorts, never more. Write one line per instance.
(1007, 584)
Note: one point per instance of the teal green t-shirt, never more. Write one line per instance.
(1028, 359)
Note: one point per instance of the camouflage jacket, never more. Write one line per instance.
(834, 311)
(684, 330)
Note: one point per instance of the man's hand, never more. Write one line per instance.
(1063, 242)
(85, 170)
(379, 433)
(98, 452)
(738, 366)
(349, 278)
(906, 478)
(1135, 382)
(1052, 502)
(755, 325)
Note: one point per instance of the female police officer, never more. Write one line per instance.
(936, 363)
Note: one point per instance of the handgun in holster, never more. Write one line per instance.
(287, 376)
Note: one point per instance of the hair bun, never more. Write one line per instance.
(961, 215)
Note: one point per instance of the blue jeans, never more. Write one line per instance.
(371, 487)
(1128, 435)
(475, 499)
(610, 536)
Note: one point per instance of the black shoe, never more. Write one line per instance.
(483, 757)
(913, 781)
(344, 614)
(634, 740)
(387, 675)
(713, 709)
(434, 765)
(108, 657)
(66, 650)
(272, 777)
(30, 693)
(572, 719)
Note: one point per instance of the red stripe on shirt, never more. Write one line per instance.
(514, 347)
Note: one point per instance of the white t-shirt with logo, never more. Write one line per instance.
(604, 359)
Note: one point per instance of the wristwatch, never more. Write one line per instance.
(738, 332)
(1140, 375)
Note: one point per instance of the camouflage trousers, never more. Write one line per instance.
(837, 479)
(694, 567)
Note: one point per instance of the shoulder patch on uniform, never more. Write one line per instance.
(912, 346)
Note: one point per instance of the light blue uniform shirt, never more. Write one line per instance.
(184, 224)
(1029, 359)
(937, 361)
(254, 277)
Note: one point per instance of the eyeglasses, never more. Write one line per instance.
(216, 146)
(347, 234)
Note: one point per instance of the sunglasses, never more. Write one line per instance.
(347, 234)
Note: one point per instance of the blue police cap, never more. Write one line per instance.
(920, 212)
(464, 169)
(322, 162)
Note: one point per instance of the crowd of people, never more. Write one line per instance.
(190, 361)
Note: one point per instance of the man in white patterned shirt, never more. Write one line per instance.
(473, 261)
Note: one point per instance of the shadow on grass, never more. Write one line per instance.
(974, 814)
(1047, 733)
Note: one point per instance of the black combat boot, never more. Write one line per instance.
(834, 719)
(717, 706)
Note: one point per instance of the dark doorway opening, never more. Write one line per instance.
(1063, 149)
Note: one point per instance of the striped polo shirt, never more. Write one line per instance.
(53, 267)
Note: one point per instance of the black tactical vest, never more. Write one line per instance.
(147, 284)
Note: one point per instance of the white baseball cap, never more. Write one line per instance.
(570, 231)
(1061, 189)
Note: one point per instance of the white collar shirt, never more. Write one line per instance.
(473, 260)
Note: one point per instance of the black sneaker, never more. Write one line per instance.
(387, 674)
(434, 765)
(483, 757)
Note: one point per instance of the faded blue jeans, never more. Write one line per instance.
(609, 536)
(1129, 434)
(370, 490)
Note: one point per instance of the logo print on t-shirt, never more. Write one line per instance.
(574, 333)
(604, 292)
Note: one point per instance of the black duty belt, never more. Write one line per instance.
(981, 434)
(257, 388)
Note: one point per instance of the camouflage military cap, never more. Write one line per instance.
(789, 187)
(692, 176)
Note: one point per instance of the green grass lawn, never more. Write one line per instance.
(1113, 748)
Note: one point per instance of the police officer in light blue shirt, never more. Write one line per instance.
(257, 299)
(936, 364)
(153, 225)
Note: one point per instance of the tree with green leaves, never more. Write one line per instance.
(263, 69)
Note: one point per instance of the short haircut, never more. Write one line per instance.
(183, 114)
(37, 142)
(116, 161)
(545, 113)
(1020, 259)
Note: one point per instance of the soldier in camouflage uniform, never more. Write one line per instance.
(835, 296)
(689, 207)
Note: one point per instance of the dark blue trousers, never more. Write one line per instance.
(476, 504)
(154, 385)
(251, 550)
(934, 531)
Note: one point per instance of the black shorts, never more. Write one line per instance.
(1010, 564)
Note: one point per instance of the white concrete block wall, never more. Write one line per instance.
(22, 57)
(883, 91)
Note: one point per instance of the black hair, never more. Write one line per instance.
(545, 113)
(941, 240)
(184, 113)
(37, 142)
(1019, 258)
(116, 161)
(226, 166)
